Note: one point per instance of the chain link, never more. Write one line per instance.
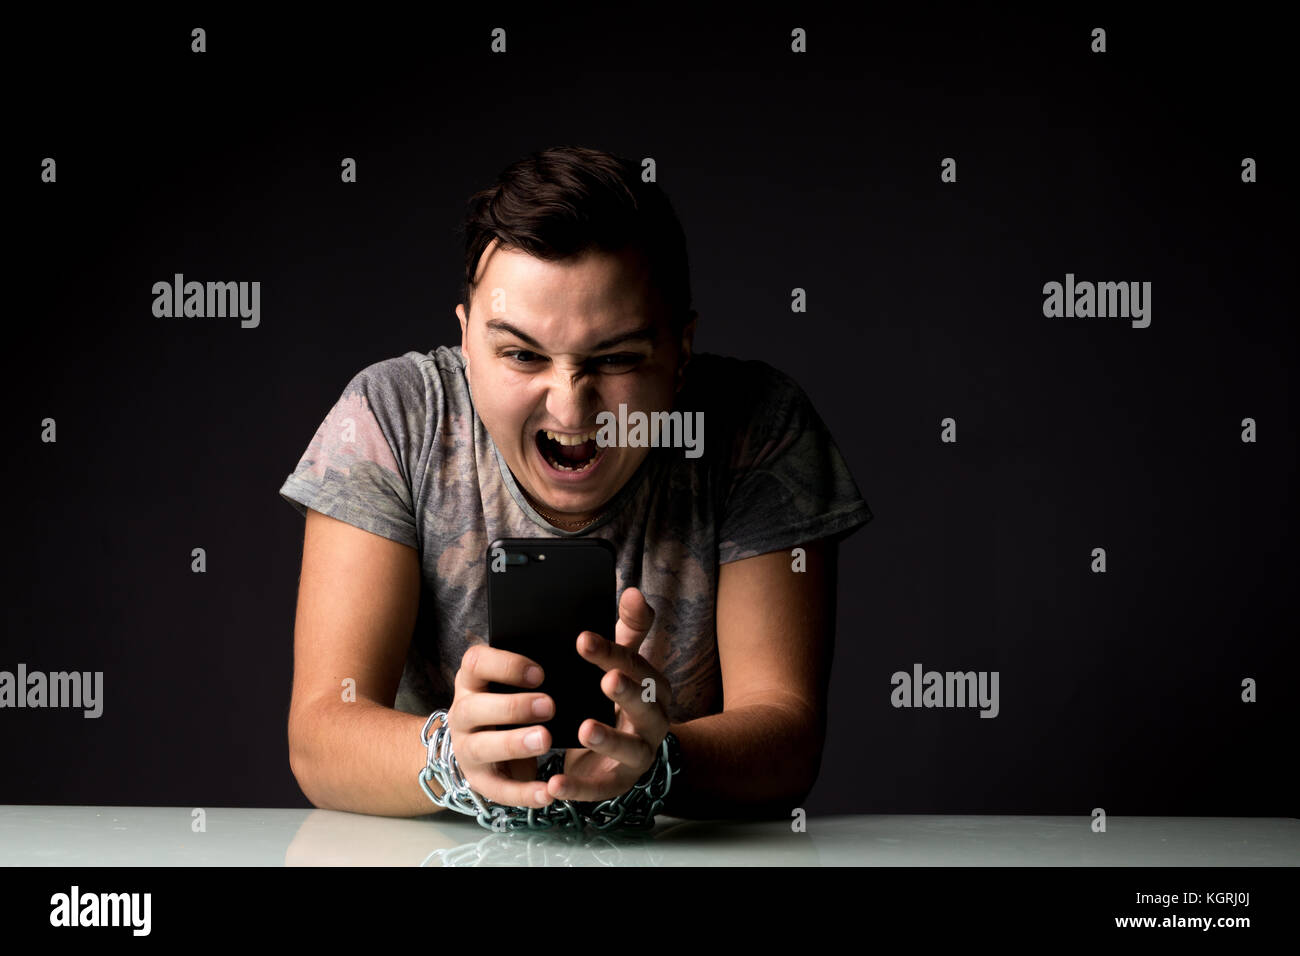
(633, 810)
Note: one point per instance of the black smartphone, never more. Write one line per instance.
(543, 593)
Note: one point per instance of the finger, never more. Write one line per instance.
(498, 788)
(568, 786)
(494, 746)
(631, 750)
(486, 709)
(606, 654)
(609, 656)
(648, 717)
(482, 664)
(635, 618)
(495, 768)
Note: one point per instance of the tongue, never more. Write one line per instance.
(574, 452)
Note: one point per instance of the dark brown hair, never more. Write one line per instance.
(566, 200)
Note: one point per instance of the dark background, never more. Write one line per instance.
(1119, 690)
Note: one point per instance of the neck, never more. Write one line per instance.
(564, 519)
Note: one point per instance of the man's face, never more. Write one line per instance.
(550, 345)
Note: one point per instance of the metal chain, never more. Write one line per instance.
(633, 810)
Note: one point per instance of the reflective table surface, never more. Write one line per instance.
(185, 836)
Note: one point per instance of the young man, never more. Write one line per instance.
(577, 302)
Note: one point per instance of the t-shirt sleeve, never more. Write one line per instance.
(787, 482)
(359, 465)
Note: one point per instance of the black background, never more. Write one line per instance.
(820, 171)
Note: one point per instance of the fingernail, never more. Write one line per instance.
(534, 741)
(541, 707)
(533, 675)
(597, 735)
(543, 796)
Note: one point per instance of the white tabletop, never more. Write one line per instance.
(165, 836)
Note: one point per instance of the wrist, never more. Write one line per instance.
(636, 809)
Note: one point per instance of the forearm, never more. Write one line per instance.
(362, 757)
(755, 761)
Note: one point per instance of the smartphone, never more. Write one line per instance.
(543, 593)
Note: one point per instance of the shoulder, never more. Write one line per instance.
(406, 372)
(413, 382)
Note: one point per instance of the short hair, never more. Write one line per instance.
(564, 201)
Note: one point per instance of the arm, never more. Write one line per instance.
(761, 755)
(357, 602)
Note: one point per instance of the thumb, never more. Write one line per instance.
(635, 618)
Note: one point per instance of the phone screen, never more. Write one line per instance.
(543, 593)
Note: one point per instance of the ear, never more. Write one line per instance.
(464, 335)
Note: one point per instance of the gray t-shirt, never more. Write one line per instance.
(403, 454)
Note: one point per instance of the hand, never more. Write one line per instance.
(611, 765)
(499, 764)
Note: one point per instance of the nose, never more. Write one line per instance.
(570, 397)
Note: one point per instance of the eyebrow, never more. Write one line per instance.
(502, 327)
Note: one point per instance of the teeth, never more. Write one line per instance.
(571, 439)
(570, 467)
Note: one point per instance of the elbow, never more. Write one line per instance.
(300, 766)
(806, 750)
(307, 784)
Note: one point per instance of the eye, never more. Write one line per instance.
(617, 361)
(515, 356)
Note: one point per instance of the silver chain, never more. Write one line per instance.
(633, 810)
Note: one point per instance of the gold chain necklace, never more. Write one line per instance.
(572, 525)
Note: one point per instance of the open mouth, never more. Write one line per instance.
(576, 453)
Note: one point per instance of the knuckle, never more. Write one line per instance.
(514, 671)
(481, 752)
(466, 749)
(488, 750)
(467, 709)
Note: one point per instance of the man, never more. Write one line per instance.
(577, 302)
